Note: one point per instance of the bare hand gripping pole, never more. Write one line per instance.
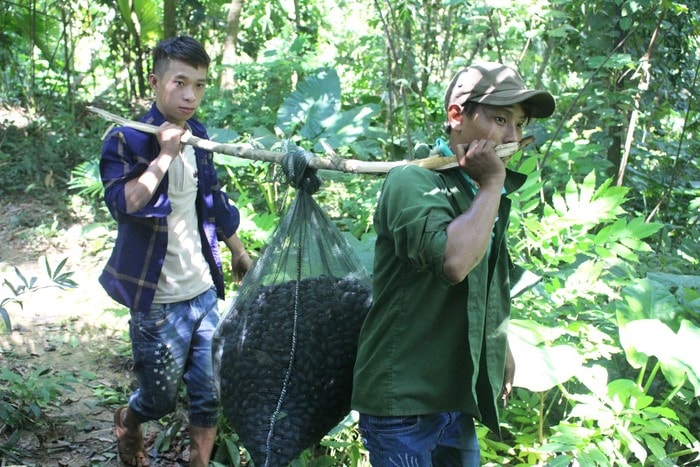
(331, 162)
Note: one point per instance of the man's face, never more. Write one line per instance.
(498, 124)
(179, 91)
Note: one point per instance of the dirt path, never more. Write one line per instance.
(77, 336)
(58, 336)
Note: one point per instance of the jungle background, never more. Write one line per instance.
(606, 329)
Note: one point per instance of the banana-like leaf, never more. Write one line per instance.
(141, 17)
(313, 111)
(44, 31)
(310, 109)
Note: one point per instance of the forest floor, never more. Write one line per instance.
(76, 336)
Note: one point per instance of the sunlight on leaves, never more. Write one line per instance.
(539, 368)
(646, 338)
(646, 299)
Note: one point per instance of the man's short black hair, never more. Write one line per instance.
(182, 48)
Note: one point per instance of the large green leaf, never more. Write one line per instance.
(313, 107)
(141, 17)
(677, 352)
(5, 320)
(223, 135)
(348, 126)
(647, 299)
(687, 347)
(583, 204)
(624, 238)
(675, 280)
(539, 368)
(44, 32)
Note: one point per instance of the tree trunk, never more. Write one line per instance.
(644, 71)
(169, 27)
(229, 53)
(66, 17)
(616, 131)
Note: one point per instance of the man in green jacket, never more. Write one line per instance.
(433, 353)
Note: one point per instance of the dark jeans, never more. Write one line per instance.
(440, 440)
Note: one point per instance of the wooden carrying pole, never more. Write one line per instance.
(332, 162)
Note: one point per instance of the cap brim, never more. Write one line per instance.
(540, 103)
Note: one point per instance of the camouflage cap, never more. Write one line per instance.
(497, 84)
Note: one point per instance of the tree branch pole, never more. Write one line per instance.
(332, 162)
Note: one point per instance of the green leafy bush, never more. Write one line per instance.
(579, 401)
(25, 395)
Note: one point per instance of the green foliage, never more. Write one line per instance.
(25, 395)
(110, 396)
(38, 158)
(587, 406)
(608, 217)
(21, 286)
(261, 24)
(341, 446)
(350, 201)
(618, 424)
(168, 435)
(313, 113)
(253, 103)
(652, 324)
(86, 181)
(228, 451)
(583, 222)
(141, 18)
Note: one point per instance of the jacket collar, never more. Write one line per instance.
(514, 180)
(153, 117)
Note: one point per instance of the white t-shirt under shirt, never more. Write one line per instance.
(185, 272)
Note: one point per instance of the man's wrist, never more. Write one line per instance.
(492, 183)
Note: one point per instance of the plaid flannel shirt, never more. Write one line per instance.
(133, 269)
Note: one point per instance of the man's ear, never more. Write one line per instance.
(454, 116)
(153, 80)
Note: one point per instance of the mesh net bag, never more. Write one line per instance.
(284, 351)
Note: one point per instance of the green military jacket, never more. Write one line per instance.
(427, 345)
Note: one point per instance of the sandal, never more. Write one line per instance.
(129, 443)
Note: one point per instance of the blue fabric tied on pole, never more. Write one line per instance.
(443, 149)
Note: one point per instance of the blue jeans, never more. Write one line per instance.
(441, 440)
(172, 343)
